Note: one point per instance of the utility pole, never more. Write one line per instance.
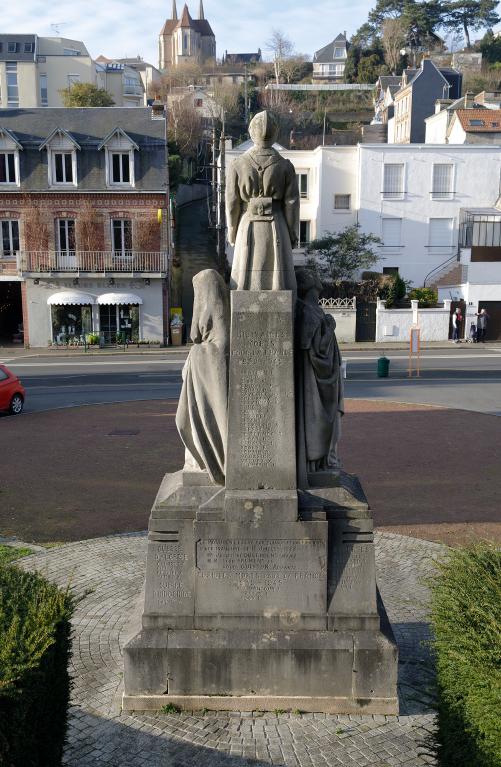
(246, 97)
(214, 169)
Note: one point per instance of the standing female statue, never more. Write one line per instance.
(262, 210)
(319, 385)
(201, 417)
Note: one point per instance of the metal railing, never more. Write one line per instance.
(338, 303)
(102, 261)
(132, 90)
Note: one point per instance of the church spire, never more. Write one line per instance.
(201, 11)
(174, 10)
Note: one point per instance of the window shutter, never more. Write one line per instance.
(393, 181)
(441, 232)
(442, 180)
(391, 231)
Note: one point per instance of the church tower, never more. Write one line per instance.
(185, 39)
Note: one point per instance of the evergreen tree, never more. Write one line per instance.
(470, 15)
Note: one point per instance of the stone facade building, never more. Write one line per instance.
(186, 39)
(84, 249)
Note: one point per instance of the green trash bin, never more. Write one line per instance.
(383, 367)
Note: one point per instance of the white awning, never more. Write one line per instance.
(70, 298)
(119, 298)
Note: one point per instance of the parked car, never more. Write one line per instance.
(12, 392)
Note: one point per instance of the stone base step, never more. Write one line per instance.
(296, 704)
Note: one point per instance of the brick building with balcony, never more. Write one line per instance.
(84, 225)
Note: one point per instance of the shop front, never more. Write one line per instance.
(119, 319)
(70, 317)
(112, 318)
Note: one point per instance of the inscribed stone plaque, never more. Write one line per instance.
(261, 430)
(352, 578)
(249, 575)
(169, 578)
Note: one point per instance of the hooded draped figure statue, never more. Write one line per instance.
(262, 211)
(201, 417)
(319, 384)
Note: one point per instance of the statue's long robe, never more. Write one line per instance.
(202, 413)
(319, 391)
(262, 258)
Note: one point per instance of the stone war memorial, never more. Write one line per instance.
(260, 586)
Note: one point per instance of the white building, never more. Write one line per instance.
(415, 197)
(33, 70)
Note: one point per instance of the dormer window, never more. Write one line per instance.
(7, 168)
(61, 158)
(9, 158)
(62, 170)
(119, 159)
(120, 167)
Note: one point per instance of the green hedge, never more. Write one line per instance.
(466, 618)
(34, 679)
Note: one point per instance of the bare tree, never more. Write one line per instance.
(146, 234)
(394, 32)
(36, 226)
(89, 228)
(281, 49)
(294, 67)
(184, 125)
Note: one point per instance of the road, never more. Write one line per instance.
(464, 377)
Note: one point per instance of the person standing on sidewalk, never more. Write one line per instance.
(483, 319)
(457, 319)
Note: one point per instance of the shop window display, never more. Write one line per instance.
(71, 323)
(119, 323)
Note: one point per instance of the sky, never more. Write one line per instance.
(119, 28)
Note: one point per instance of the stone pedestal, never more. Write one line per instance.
(258, 597)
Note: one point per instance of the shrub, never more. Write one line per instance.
(394, 291)
(34, 679)
(465, 612)
(425, 296)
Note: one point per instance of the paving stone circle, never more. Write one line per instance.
(110, 572)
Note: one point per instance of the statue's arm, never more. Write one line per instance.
(233, 203)
(291, 203)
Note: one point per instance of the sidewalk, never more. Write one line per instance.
(13, 352)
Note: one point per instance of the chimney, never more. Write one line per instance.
(468, 100)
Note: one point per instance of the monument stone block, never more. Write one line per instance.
(260, 447)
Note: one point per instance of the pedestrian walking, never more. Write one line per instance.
(483, 319)
(457, 319)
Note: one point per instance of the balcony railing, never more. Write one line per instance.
(133, 90)
(101, 261)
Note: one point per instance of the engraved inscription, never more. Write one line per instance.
(260, 352)
(262, 555)
(347, 566)
(168, 565)
(264, 574)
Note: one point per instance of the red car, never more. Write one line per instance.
(12, 392)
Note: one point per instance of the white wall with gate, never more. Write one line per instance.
(394, 325)
(344, 311)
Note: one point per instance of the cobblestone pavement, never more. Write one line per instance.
(110, 572)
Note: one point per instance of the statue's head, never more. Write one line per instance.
(263, 129)
(307, 280)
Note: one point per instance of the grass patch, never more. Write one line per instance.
(170, 708)
(11, 553)
(466, 618)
